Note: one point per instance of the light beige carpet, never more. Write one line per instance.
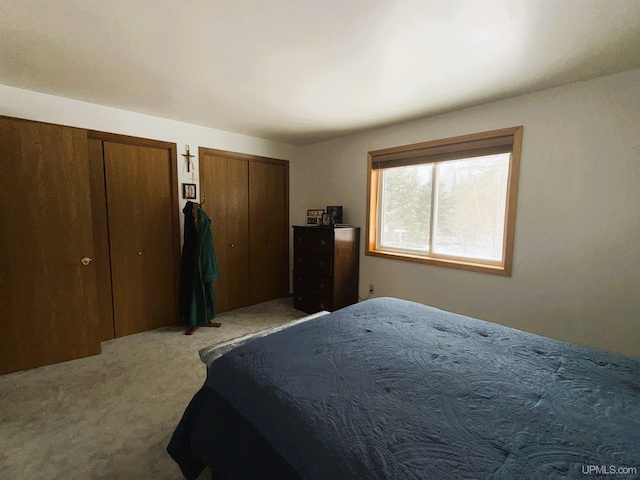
(111, 416)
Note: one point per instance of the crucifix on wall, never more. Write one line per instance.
(187, 158)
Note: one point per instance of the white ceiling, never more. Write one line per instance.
(302, 71)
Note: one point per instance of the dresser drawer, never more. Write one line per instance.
(309, 282)
(316, 239)
(313, 262)
(310, 303)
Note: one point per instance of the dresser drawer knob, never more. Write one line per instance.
(322, 242)
(321, 286)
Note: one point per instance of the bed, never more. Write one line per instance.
(391, 389)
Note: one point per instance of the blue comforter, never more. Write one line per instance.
(391, 389)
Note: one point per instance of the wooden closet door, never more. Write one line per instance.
(141, 237)
(102, 261)
(48, 296)
(224, 183)
(268, 220)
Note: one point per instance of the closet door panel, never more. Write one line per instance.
(214, 170)
(48, 297)
(268, 194)
(139, 205)
(101, 261)
(223, 182)
(247, 200)
(237, 270)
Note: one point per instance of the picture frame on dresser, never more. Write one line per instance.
(335, 212)
(314, 217)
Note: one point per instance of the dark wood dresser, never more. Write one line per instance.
(326, 267)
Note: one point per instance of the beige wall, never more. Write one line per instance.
(576, 271)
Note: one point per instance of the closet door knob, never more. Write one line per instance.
(139, 253)
(232, 245)
(86, 261)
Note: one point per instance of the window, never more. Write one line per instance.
(448, 202)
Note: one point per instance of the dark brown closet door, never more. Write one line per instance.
(101, 262)
(141, 237)
(268, 207)
(224, 182)
(48, 296)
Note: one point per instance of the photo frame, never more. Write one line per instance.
(335, 212)
(189, 191)
(314, 217)
(326, 220)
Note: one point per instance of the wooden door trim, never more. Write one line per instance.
(175, 202)
(129, 140)
(239, 156)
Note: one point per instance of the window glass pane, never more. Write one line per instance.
(406, 206)
(470, 207)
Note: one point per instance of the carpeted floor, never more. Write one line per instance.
(111, 416)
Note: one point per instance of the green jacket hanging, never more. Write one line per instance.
(203, 298)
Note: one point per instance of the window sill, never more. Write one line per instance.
(503, 270)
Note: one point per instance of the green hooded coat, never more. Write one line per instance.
(203, 298)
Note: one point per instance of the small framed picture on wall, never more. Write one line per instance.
(189, 191)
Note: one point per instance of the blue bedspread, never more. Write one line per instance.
(392, 389)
